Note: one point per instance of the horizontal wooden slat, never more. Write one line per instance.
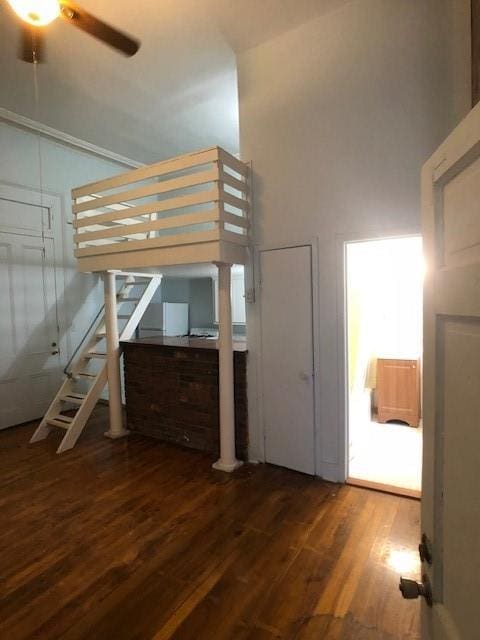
(58, 423)
(154, 225)
(99, 242)
(232, 162)
(203, 197)
(154, 189)
(233, 237)
(151, 243)
(233, 201)
(161, 168)
(112, 230)
(227, 178)
(116, 206)
(238, 221)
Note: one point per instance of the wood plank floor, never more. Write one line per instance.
(134, 539)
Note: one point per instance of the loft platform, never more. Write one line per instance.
(190, 209)
(184, 211)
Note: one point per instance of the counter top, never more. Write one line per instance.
(185, 343)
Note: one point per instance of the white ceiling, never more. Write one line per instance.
(179, 93)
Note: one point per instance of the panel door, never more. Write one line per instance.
(29, 359)
(287, 357)
(451, 479)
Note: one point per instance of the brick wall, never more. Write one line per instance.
(172, 394)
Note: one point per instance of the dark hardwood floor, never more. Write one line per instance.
(134, 539)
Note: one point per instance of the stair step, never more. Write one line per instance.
(79, 370)
(74, 398)
(60, 421)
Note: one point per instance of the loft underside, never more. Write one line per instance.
(154, 258)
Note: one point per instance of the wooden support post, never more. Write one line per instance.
(475, 48)
(227, 461)
(116, 429)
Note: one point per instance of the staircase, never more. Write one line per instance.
(88, 374)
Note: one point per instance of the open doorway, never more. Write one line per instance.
(384, 345)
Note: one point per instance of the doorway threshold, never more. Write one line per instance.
(385, 488)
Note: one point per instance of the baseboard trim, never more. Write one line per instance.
(385, 488)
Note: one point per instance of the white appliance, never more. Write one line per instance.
(164, 319)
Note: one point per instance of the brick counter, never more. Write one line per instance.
(171, 387)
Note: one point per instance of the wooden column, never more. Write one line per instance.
(227, 461)
(475, 52)
(116, 429)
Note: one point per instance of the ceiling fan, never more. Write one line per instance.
(37, 14)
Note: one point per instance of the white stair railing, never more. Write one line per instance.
(88, 375)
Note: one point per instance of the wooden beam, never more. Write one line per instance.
(172, 222)
(203, 197)
(226, 392)
(237, 184)
(151, 243)
(233, 201)
(154, 189)
(475, 52)
(236, 238)
(116, 428)
(164, 256)
(234, 163)
(237, 221)
(151, 171)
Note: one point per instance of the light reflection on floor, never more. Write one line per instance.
(383, 453)
(403, 561)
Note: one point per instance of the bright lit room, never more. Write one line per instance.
(384, 311)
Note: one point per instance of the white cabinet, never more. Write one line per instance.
(237, 294)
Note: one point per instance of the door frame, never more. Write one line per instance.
(343, 386)
(47, 366)
(259, 409)
(55, 202)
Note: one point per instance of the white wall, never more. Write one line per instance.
(337, 117)
(62, 169)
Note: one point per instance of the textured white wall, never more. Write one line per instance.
(337, 117)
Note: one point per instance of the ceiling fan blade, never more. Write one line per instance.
(31, 44)
(80, 18)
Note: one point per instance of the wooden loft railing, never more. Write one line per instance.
(194, 208)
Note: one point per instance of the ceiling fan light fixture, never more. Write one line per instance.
(38, 13)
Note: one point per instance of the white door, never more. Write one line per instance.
(287, 357)
(451, 480)
(29, 360)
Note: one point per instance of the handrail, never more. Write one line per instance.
(77, 349)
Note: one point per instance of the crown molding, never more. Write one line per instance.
(44, 130)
